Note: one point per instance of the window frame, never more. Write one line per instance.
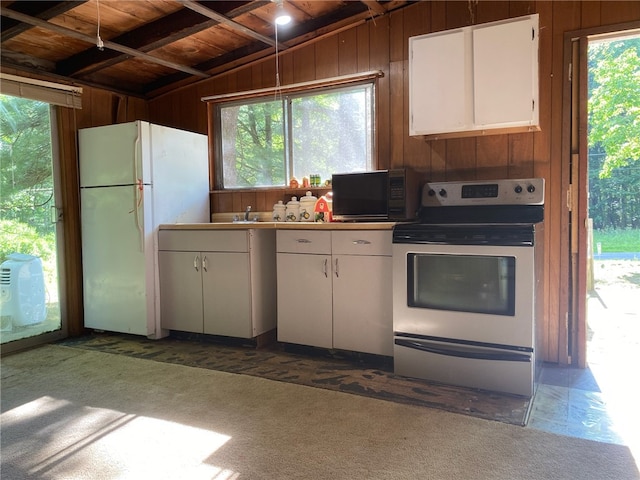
(216, 102)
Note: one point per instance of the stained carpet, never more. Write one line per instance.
(365, 375)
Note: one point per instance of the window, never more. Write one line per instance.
(265, 141)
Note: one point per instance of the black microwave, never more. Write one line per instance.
(379, 195)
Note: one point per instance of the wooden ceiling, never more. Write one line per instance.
(151, 46)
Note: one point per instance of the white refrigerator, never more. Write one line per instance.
(134, 177)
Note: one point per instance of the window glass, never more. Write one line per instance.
(30, 298)
(331, 132)
(266, 142)
(253, 144)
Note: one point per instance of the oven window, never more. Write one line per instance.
(464, 283)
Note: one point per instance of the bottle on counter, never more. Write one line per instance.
(293, 210)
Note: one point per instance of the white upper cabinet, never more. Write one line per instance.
(475, 80)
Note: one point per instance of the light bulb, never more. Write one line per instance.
(282, 17)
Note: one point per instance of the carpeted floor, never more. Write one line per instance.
(76, 413)
(365, 375)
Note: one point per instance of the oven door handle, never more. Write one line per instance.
(463, 353)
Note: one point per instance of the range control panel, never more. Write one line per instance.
(524, 191)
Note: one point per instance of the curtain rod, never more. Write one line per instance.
(343, 79)
(41, 83)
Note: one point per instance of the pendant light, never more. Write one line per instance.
(282, 17)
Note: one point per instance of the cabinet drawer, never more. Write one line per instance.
(359, 242)
(303, 241)
(203, 240)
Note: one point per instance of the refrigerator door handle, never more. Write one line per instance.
(139, 187)
(138, 197)
(136, 155)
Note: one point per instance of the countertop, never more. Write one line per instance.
(280, 226)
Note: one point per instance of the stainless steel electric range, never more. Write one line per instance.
(467, 285)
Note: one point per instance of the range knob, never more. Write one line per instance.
(431, 192)
(531, 189)
(518, 189)
(443, 192)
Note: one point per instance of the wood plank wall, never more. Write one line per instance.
(381, 44)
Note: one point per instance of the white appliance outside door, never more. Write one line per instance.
(134, 177)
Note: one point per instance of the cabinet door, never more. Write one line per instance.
(181, 291)
(304, 299)
(438, 83)
(227, 294)
(362, 304)
(505, 73)
(474, 79)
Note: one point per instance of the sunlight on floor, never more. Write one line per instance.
(614, 358)
(81, 441)
(599, 403)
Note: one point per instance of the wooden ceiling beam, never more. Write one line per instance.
(375, 6)
(107, 44)
(153, 35)
(169, 29)
(41, 10)
(353, 10)
(207, 12)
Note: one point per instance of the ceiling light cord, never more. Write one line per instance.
(282, 18)
(278, 89)
(99, 42)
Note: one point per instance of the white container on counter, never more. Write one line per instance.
(279, 212)
(293, 210)
(307, 206)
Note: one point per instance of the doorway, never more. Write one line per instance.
(608, 179)
(30, 220)
(613, 311)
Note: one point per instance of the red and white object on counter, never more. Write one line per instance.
(322, 210)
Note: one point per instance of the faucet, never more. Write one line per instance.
(246, 213)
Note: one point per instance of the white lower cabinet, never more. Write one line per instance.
(334, 289)
(362, 309)
(304, 299)
(218, 282)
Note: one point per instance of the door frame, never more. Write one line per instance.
(575, 161)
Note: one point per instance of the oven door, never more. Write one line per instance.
(471, 293)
